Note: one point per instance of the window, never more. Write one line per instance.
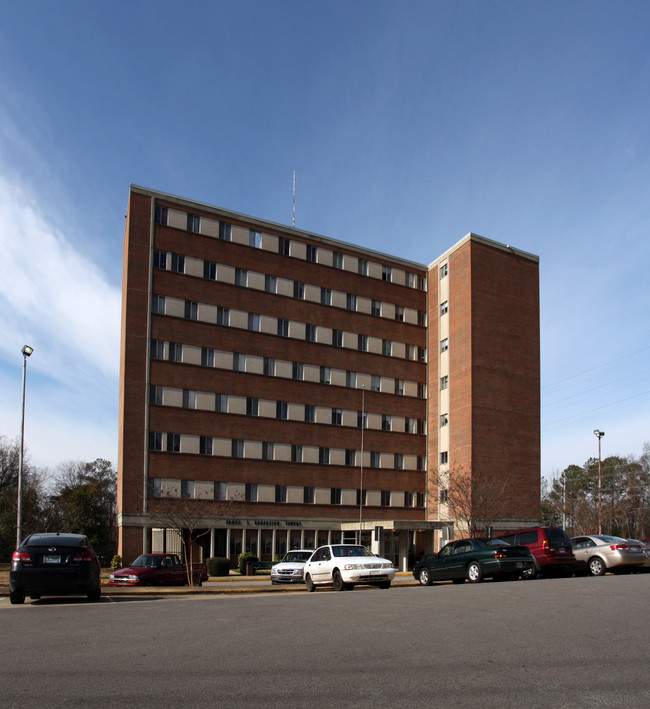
(156, 395)
(444, 496)
(155, 441)
(210, 270)
(422, 354)
(337, 260)
(399, 461)
(386, 422)
(281, 410)
(308, 495)
(238, 362)
(444, 382)
(422, 464)
(298, 290)
(385, 498)
(237, 448)
(325, 375)
(386, 347)
(337, 417)
(444, 420)
(193, 223)
(323, 455)
(311, 253)
(221, 491)
(157, 349)
(444, 270)
(310, 413)
(362, 267)
(270, 284)
(267, 451)
(251, 492)
(178, 263)
(362, 343)
(351, 380)
(399, 313)
(422, 318)
(444, 307)
(444, 457)
(422, 390)
(421, 427)
(335, 496)
(223, 316)
(399, 387)
(191, 310)
(173, 442)
(444, 344)
(205, 445)
(160, 216)
(386, 274)
(408, 499)
(269, 367)
(375, 458)
(254, 239)
(362, 498)
(310, 333)
(411, 425)
(280, 493)
(158, 304)
(375, 382)
(351, 301)
(375, 308)
(252, 406)
(362, 419)
(187, 488)
(284, 246)
(225, 231)
(175, 352)
(160, 259)
(297, 371)
(296, 453)
(283, 327)
(325, 296)
(254, 322)
(411, 280)
(221, 403)
(337, 338)
(189, 399)
(241, 277)
(350, 456)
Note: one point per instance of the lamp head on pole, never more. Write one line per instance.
(599, 434)
(27, 350)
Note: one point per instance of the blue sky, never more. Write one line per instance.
(408, 124)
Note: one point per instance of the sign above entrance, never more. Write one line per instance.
(281, 524)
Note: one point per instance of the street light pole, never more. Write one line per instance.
(363, 425)
(599, 435)
(26, 351)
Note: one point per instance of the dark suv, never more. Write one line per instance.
(52, 564)
(551, 547)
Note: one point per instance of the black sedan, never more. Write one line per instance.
(474, 560)
(53, 564)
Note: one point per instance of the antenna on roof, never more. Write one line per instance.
(293, 220)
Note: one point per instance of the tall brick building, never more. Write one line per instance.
(298, 390)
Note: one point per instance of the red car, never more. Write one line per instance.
(158, 570)
(550, 546)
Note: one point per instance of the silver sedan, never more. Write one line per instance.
(599, 553)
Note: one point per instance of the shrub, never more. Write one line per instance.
(116, 562)
(218, 566)
(244, 558)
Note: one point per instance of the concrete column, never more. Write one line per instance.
(403, 550)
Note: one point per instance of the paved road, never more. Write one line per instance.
(579, 642)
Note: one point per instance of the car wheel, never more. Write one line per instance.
(384, 585)
(338, 581)
(198, 581)
(149, 582)
(35, 596)
(16, 597)
(528, 574)
(474, 573)
(596, 566)
(95, 595)
(458, 581)
(309, 583)
(424, 577)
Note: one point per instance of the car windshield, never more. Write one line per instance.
(150, 562)
(609, 540)
(297, 556)
(497, 543)
(341, 550)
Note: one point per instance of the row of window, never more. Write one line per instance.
(282, 452)
(283, 286)
(286, 247)
(298, 371)
(254, 492)
(283, 410)
(270, 325)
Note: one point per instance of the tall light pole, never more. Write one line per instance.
(26, 351)
(363, 425)
(599, 435)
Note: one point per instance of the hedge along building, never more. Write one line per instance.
(295, 390)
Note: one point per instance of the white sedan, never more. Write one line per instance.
(290, 569)
(344, 565)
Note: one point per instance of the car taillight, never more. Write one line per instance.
(20, 556)
(545, 544)
(83, 556)
(498, 555)
(616, 547)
